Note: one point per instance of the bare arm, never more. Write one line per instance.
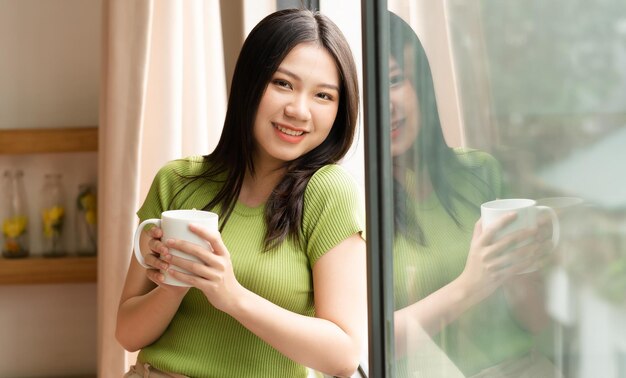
(525, 295)
(525, 292)
(330, 342)
(487, 268)
(146, 308)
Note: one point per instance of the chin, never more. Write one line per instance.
(399, 148)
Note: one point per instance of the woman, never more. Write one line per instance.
(452, 279)
(283, 287)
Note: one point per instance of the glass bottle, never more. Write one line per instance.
(86, 220)
(53, 215)
(14, 215)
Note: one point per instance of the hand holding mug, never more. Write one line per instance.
(492, 260)
(527, 217)
(174, 224)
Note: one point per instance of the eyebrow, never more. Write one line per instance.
(289, 73)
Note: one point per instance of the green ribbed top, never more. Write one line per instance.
(486, 334)
(202, 341)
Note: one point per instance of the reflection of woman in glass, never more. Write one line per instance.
(451, 278)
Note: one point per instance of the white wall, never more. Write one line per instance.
(49, 77)
(50, 62)
(48, 330)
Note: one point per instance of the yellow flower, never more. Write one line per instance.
(15, 226)
(91, 216)
(48, 230)
(87, 201)
(53, 220)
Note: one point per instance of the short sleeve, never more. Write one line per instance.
(492, 172)
(487, 168)
(333, 210)
(165, 185)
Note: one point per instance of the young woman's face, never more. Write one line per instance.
(404, 110)
(299, 105)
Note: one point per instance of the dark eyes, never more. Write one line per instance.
(325, 96)
(282, 83)
(396, 79)
(287, 85)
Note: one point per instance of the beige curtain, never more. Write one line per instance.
(163, 96)
(429, 19)
(185, 100)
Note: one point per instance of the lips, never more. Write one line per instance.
(289, 134)
(288, 131)
(396, 126)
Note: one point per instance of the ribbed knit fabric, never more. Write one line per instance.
(487, 334)
(202, 341)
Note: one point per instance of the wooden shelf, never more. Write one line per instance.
(48, 270)
(32, 141)
(40, 270)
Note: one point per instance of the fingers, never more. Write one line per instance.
(489, 232)
(204, 257)
(155, 232)
(533, 256)
(515, 238)
(478, 228)
(155, 248)
(208, 267)
(513, 246)
(196, 275)
(213, 237)
(506, 244)
(155, 276)
(159, 278)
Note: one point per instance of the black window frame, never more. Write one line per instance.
(378, 186)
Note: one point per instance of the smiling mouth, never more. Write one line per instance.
(288, 131)
(395, 125)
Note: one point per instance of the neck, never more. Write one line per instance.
(257, 188)
(418, 190)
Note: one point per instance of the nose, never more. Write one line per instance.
(394, 103)
(298, 108)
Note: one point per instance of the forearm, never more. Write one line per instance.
(142, 319)
(317, 343)
(525, 296)
(420, 321)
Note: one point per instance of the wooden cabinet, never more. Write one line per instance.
(40, 270)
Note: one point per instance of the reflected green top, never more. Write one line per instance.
(486, 334)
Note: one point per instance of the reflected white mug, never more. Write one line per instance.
(526, 211)
(175, 225)
(561, 204)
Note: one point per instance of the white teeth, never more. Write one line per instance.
(289, 131)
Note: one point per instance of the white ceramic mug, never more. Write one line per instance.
(526, 211)
(175, 225)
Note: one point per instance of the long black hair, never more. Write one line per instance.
(436, 161)
(263, 50)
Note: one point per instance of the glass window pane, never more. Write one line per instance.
(507, 128)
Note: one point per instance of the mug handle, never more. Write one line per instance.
(556, 228)
(138, 231)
